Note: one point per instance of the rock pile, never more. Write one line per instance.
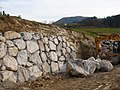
(88, 67)
(25, 56)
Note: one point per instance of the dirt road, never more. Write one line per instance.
(98, 81)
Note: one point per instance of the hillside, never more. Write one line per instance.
(69, 20)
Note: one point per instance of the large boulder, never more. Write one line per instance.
(10, 63)
(34, 71)
(23, 74)
(74, 69)
(20, 43)
(22, 57)
(8, 75)
(105, 65)
(35, 58)
(11, 35)
(32, 46)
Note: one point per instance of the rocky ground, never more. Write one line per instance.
(98, 81)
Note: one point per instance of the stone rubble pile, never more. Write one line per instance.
(87, 67)
(25, 56)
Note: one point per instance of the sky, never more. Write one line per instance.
(53, 10)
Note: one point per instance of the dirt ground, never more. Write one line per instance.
(98, 81)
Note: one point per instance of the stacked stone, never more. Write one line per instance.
(25, 56)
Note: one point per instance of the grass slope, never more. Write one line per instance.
(94, 31)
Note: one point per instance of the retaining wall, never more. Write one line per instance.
(25, 56)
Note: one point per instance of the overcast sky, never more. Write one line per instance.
(52, 10)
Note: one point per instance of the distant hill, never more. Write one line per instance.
(70, 20)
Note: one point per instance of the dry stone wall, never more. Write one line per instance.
(25, 56)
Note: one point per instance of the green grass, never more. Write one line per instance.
(93, 31)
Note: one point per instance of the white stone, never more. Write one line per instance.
(64, 45)
(43, 56)
(41, 45)
(62, 58)
(3, 49)
(50, 38)
(32, 46)
(22, 57)
(56, 41)
(53, 56)
(73, 48)
(64, 40)
(29, 64)
(3, 68)
(45, 40)
(20, 43)
(46, 67)
(11, 35)
(90, 66)
(35, 71)
(59, 53)
(10, 43)
(73, 55)
(35, 58)
(23, 74)
(10, 63)
(105, 65)
(9, 75)
(59, 47)
(13, 51)
(26, 35)
(64, 51)
(62, 66)
(54, 67)
(47, 48)
(52, 45)
(3, 39)
(68, 50)
(36, 36)
(60, 38)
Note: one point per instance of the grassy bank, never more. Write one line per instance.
(94, 31)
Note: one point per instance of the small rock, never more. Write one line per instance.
(41, 45)
(3, 49)
(3, 39)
